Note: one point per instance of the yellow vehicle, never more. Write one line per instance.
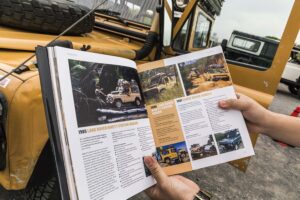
(172, 155)
(139, 30)
(169, 155)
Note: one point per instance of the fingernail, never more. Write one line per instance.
(223, 104)
(148, 161)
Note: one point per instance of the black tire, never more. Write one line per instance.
(168, 161)
(45, 16)
(137, 102)
(294, 90)
(46, 191)
(43, 184)
(162, 91)
(118, 103)
(236, 147)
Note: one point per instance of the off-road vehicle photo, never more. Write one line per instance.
(231, 140)
(159, 83)
(172, 155)
(125, 93)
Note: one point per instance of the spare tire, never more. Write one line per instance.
(45, 16)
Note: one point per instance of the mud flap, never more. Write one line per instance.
(3, 142)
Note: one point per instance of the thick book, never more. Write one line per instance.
(106, 113)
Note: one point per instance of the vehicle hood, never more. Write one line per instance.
(113, 93)
(24, 43)
(226, 141)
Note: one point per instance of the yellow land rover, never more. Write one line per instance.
(143, 31)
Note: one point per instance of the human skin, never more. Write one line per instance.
(169, 187)
(260, 120)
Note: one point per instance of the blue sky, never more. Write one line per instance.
(180, 145)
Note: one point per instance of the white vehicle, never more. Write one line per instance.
(159, 84)
(291, 74)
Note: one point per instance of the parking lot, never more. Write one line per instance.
(273, 173)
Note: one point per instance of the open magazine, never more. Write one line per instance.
(106, 113)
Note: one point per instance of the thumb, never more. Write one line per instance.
(237, 104)
(156, 171)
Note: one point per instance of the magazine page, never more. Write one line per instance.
(104, 124)
(190, 130)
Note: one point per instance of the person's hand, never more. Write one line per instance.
(169, 188)
(254, 114)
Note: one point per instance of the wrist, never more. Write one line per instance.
(269, 121)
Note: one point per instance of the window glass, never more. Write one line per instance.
(202, 32)
(246, 44)
(250, 32)
(181, 39)
(295, 54)
(132, 10)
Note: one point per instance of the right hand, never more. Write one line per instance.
(254, 114)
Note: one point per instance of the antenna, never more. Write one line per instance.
(56, 38)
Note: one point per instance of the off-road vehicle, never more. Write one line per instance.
(258, 53)
(125, 94)
(172, 155)
(139, 30)
(231, 141)
(159, 83)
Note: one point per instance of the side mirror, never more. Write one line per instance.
(224, 44)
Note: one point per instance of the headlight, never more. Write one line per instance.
(182, 3)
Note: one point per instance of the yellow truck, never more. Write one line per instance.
(143, 31)
(172, 155)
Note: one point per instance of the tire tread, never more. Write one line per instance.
(45, 16)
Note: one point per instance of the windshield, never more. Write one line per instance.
(140, 11)
(155, 80)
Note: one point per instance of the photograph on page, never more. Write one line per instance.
(205, 74)
(161, 84)
(105, 93)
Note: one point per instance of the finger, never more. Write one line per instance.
(237, 104)
(156, 171)
(188, 182)
(151, 191)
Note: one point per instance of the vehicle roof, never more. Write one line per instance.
(263, 39)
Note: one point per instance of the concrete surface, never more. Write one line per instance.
(273, 173)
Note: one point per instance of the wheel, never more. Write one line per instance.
(182, 156)
(137, 102)
(46, 191)
(168, 161)
(118, 103)
(43, 184)
(293, 90)
(236, 147)
(163, 91)
(45, 16)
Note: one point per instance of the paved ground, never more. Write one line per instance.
(273, 173)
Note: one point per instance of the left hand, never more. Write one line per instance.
(169, 188)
